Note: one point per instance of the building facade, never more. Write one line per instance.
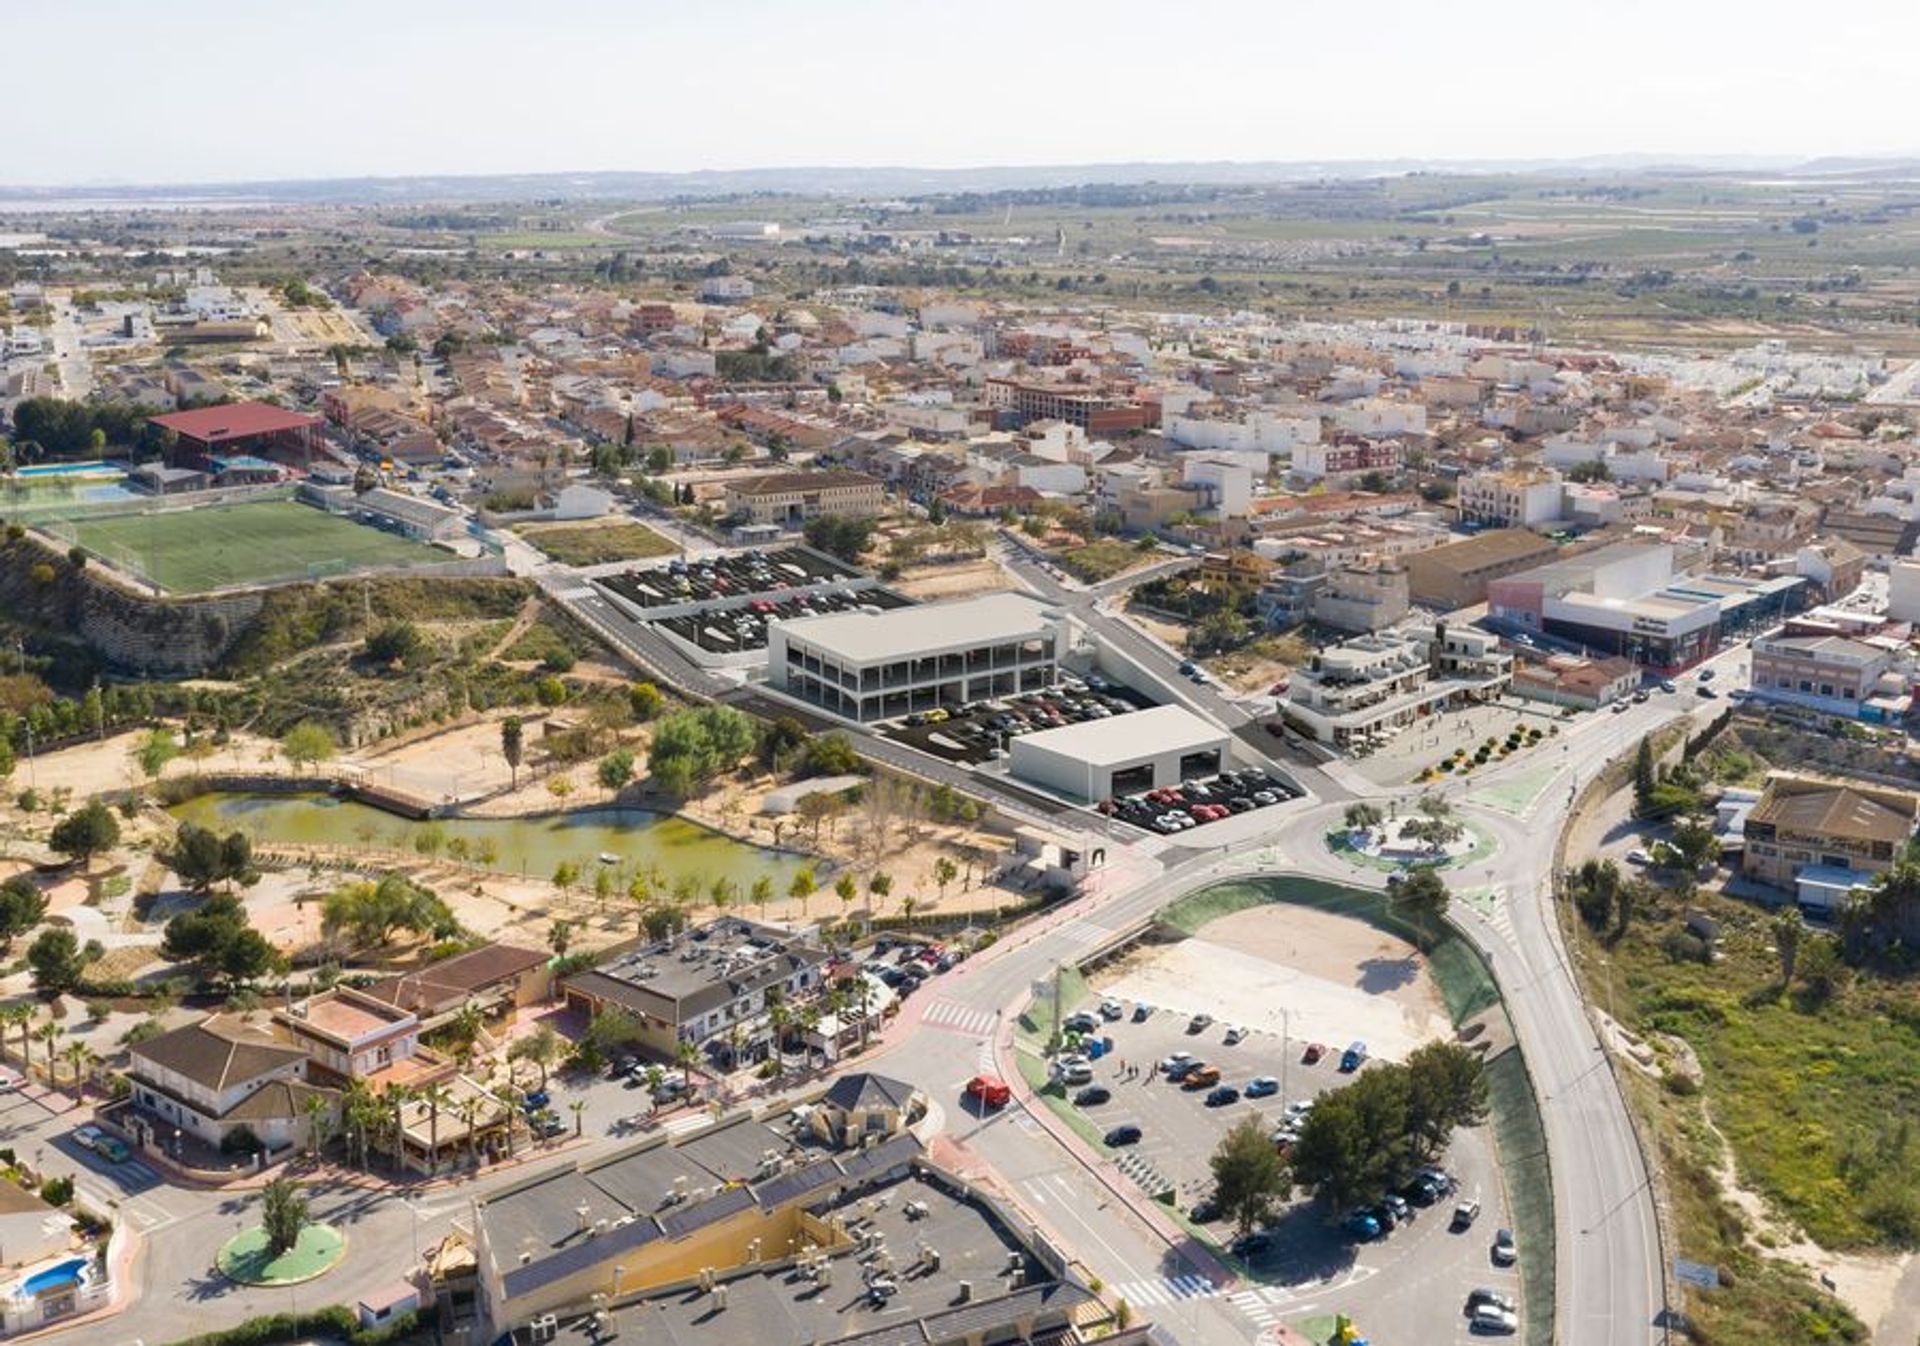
(789, 499)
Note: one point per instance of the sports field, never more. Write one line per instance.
(260, 542)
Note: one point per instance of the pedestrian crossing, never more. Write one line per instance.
(1261, 1304)
(1165, 1290)
(682, 1126)
(956, 1017)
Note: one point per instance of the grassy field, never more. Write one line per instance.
(1102, 560)
(1814, 1098)
(597, 543)
(262, 542)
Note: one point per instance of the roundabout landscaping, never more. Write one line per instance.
(248, 1259)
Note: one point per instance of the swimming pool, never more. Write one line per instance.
(95, 469)
(56, 1277)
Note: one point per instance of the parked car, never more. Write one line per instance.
(1398, 1205)
(1200, 1076)
(1363, 1226)
(1111, 1009)
(1485, 1296)
(1205, 1211)
(1464, 1215)
(1235, 1035)
(1666, 685)
(1299, 1108)
(1083, 1022)
(1177, 1065)
(1262, 1086)
(536, 1100)
(1706, 675)
(1222, 1096)
(1092, 1096)
(1707, 693)
(1127, 1134)
(989, 1090)
(1642, 696)
(1313, 1053)
(1505, 1252)
(1142, 1012)
(9, 1081)
(1252, 1244)
(1353, 1057)
(1491, 1319)
(1078, 1072)
(546, 1124)
(1199, 1023)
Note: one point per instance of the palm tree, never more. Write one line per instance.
(48, 1033)
(469, 1109)
(907, 907)
(579, 1105)
(317, 1110)
(401, 1095)
(685, 1055)
(509, 1093)
(78, 1054)
(436, 1097)
(779, 1017)
(363, 1113)
(542, 1047)
(10, 1015)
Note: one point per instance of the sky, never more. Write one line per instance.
(182, 91)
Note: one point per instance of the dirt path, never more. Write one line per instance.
(529, 614)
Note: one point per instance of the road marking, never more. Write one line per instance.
(956, 1017)
(681, 1126)
(1166, 1289)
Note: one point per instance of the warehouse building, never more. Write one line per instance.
(1103, 759)
(1456, 575)
(869, 666)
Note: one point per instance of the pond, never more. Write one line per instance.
(662, 846)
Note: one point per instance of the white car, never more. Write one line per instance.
(9, 1081)
(1493, 1319)
(1235, 1035)
(1639, 855)
(1178, 1061)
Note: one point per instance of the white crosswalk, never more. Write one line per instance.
(1166, 1290)
(1261, 1304)
(958, 1018)
(681, 1126)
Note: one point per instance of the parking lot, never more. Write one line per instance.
(1196, 803)
(1411, 1282)
(735, 575)
(744, 626)
(980, 732)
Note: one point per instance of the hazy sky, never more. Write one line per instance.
(208, 90)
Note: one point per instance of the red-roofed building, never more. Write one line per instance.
(208, 438)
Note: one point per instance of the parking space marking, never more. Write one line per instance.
(956, 1017)
(1166, 1289)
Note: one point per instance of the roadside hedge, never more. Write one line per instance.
(335, 1321)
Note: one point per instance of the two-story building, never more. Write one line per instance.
(217, 1076)
(714, 984)
(1820, 838)
(1831, 674)
(789, 499)
(1371, 688)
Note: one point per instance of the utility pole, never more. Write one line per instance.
(1057, 975)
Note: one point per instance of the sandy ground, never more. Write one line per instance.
(925, 582)
(1336, 979)
(90, 768)
(462, 762)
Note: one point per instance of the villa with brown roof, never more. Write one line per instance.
(499, 978)
(211, 1078)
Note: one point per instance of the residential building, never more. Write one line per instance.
(498, 978)
(868, 666)
(1345, 458)
(1832, 674)
(1574, 681)
(1371, 688)
(348, 1035)
(1510, 499)
(1821, 838)
(1456, 574)
(1903, 591)
(725, 289)
(1363, 597)
(1094, 411)
(30, 1230)
(789, 499)
(222, 1075)
(716, 982)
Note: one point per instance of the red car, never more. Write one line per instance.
(1314, 1051)
(990, 1090)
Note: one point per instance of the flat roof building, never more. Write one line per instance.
(1099, 759)
(1456, 574)
(1371, 688)
(868, 666)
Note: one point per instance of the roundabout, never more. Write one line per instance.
(1412, 842)
(248, 1259)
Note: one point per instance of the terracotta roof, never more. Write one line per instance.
(219, 1052)
(455, 978)
(212, 425)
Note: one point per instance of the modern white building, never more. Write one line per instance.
(1509, 499)
(1374, 687)
(875, 665)
(725, 289)
(1903, 591)
(1099, 759)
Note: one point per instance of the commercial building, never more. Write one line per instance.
(717, 981)
(754, 1232)
(498, 979)
(1373, 687)
(1100, 759)
(789, 499)
(1510, 499)
(1456, 574)
(1574, 681)
(1831, 674)
(1821, 838)
(868, 666)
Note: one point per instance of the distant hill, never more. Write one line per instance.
(898, 181)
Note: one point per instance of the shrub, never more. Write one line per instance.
(241, 1140)
(1683, 946)
(57, 1191)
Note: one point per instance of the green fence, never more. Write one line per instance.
(1515, 1113)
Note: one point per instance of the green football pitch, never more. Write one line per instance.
(261, 542)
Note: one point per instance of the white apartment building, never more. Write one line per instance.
(1225, 484)
(1380, 416)
(868, 666)
(1267, 432)
(1509, 499)
(725, 289)
(1371, 688)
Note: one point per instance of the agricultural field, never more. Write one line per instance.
(259, 542)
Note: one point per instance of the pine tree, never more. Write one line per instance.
(1644, 776)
